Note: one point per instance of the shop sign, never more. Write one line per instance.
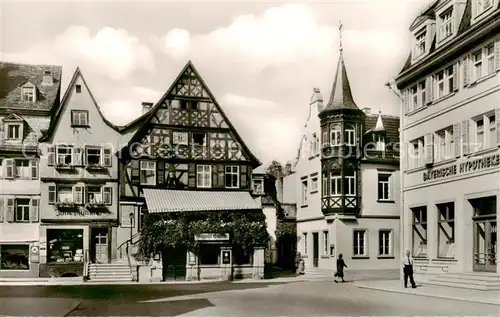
(35, 254)
(226, 257)
(212, 237)
(473, 165)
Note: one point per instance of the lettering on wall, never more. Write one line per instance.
(473, 165)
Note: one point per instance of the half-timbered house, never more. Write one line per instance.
(28, 95)
(186, 157)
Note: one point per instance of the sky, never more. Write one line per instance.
(261, 60)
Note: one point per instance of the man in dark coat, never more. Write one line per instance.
(340, 269)
(407, 264)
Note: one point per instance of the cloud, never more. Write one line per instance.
(231, 100)
(113, 52)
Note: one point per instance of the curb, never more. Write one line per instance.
(429, 295)
(72, 309)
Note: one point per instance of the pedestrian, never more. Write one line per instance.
(408, 269)
(340, 269)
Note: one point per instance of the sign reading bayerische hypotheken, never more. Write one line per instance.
(465, 167)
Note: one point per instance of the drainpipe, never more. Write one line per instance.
(392, 86)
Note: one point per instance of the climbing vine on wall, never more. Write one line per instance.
(246, 229)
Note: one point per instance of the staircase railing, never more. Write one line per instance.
(128, 245)
(86, 264)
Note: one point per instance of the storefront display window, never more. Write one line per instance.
(14, 257)
(242, 257)
(65, 245)
(209, 254)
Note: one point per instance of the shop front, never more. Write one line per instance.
(19, 250)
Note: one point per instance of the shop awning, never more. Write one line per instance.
(165, 200)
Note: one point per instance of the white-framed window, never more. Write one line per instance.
(485, 131)
(258, 186)
(445, 144)
(477, 63)
(419, 231)
(63, 155)
(148, 172)
(305, 243)
(180, 138)
(385, 242)
(204, 176)
(23, 169)
(446, 225)
(350, 184)
(350, 135)
(416, 153)
(384, 187)
(304, 192)
(94, 194)
(489, 52)
(28, 94)
(314, 184)
(480, 136)
(65, 194)
(232, 176)
(492, 133)
(440, 84)
(13, 131)
(421, 95)
(22, 210)
(359, 243)
(335, 184)
(379, 142)
(483, 5)
(324, 188)
(335, 133)
(414, 98)
(450, 79)
(326, 243)
(93, 156)
(447, 26)
(420, 43)
(79, 118)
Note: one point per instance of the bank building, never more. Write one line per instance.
(449, 87)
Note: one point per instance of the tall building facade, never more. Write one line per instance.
(346, 181)
(450, 132)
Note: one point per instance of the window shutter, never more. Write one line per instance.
(455, 76)
(393, 190)
(107, 195)
(34, 169)
(84, 195)
(429, 95)
(1, 210)
(465, 137)
(10, 210)
(497, 122)
(52, 194)
(78, 195)
(51, 156)
(429, 148)
(163, 169)
(192, 175)
(34, 210)
(108, 162)
(222, 175)
(134, 172)
(77, 156)
(215, 177)
(406, 101)
(456, 139)
(243, 177)
(466, 71)
(9, 168)
(497, 55)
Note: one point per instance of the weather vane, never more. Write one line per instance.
(340, 35)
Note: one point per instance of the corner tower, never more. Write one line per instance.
(341, 129)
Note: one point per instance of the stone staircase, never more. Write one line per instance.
(110, 272)
(475, 281)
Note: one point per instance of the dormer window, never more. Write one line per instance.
(14, 131)
(28, 94)
(483, 5)
(379, 142)
(420, 43)
(446, 28)
(13, 127)
(79, 118)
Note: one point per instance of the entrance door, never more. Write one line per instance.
(100, 244)
(485, 245)
(174, 263)
(315, 249)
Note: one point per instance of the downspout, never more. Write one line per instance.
(402, 155)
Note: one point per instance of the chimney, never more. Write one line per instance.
(288, 169)
(47, 79)
(278, 175)
(317, 98)
(146, 106)
(367, 110)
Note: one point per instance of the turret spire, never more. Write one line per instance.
(340, 37)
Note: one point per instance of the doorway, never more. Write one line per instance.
(174, 263)
(99, 243)
(485, 235)
(315, 249)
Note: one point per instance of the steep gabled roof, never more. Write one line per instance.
(146, 120)
(57, 116)
(391, 126)
(13, 75)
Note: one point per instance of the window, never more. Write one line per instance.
(414, 98)
(23, 169)
(445, 149)
(492, 135)
(315, 145)
(64, 194)
(232, 176)
(14, 131)
(79, 118)
(350, 184)
(94, 195)
(326, 243)
(490, 58)
(421, 91)
(483, 5)
(335, 134)
(446, 225)
(314, 184)
(335, 184)
(440, 84)
(14, 257)
(28, 94)
(450, 143)
(384, 242)
(148, 173)
(204, 176)
(22, 210)
(304, 192)
(199, 139)
(324, 188)
(258, 186)
(242, 256)
(350, 135)
(64, 245)
(184, 104)
(446, 24)
(379, 142)
(416, 149)
(63, 155)
(478, 64)
(359, 243)
(384, 186)
(420, 44)
(78, 89)
(209, 254)
(180, 138)
(305, 243)
(419, 228)
(479, 134)
(93, 156)
(450, 80)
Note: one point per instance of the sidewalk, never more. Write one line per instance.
(484, 297)
(27, 306)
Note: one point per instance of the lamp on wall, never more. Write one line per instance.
(131, 217)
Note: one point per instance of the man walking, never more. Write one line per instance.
(408, 269)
